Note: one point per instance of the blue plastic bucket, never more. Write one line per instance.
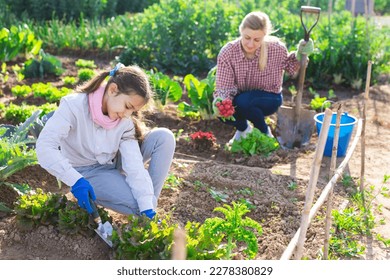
(347, 124)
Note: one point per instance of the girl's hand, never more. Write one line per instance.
(150, 213)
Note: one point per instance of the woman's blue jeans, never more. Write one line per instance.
(254, 106)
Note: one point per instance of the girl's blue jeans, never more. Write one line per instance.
(254, 106)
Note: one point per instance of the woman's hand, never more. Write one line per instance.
(223, 108)
(305, 48)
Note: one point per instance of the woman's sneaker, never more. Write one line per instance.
(269, 133)
(240, 134)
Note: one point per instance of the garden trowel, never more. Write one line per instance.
(103, 230)
(295, 125)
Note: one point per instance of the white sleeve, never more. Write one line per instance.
(48, 146)
(137, 176)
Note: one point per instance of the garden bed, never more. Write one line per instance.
(275, 186)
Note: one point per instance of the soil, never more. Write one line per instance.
(276, 206)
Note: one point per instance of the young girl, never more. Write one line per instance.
(91, 143)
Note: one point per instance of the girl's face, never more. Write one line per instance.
(118, 106)
(251, 40)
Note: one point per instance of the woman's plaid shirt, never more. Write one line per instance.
(236, 73)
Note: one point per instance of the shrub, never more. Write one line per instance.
(165, 37)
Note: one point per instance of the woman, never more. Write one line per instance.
(250, 72)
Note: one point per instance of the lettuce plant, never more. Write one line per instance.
(38, 207)
(255, 143)
(144, 239)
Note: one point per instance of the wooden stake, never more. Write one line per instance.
(316, 165)
(363, 139)
(179, 249)
(329, 204)
(363, 156)
(293, 242)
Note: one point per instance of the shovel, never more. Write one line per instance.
(294, 125)
(103, 230)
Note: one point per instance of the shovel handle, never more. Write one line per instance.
(302, 70)
(95, 213)
(309, 10)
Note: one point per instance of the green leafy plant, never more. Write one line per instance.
(83, 63)
(319, 103)
(247, 202)
(255, 143)
(68, 80)
(344, 237)
(384, 241)
(235, 228)
(15, 154)
(20, 113)
(4, 75)
(74, 220)
(49, 92)
(338, 79)
(292, 186)
(42, 65)
(38, 207)
(17, 40)
(166, 89)
(85, 74)
(164, 36)
(203, 244)
(18, 72)
(21, 90)
(178, 133)
(356, 220)
(331, 94)
(245, 191)
(144, 239)
(218, 196)
(200, 94)
(293, 91)
(172, 182)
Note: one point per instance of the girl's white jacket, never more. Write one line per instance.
(71, 139)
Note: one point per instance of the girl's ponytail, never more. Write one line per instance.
(93, 84)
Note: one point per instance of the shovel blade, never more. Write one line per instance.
(292, 132)
(105, 232)
(108, 242)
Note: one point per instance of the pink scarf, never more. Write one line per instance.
(95, 100)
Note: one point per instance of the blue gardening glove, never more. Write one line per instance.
(305, 48)
(82, 190)
(150, 213)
